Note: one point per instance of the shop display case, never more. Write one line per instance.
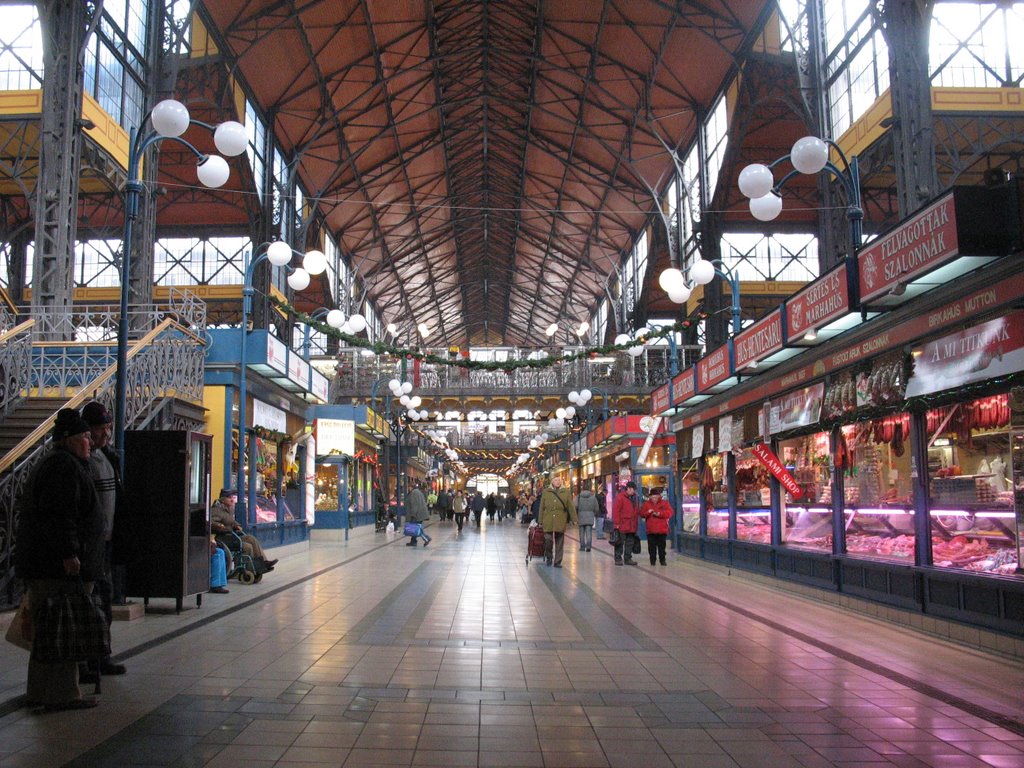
(970, 486)
(753, 499)
(716, 495)
(807, 521)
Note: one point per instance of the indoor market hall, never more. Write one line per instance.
(368, 652)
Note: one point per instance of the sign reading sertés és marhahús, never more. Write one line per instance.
(767, 457)
(985, 351)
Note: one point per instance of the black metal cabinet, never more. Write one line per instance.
(167, 489)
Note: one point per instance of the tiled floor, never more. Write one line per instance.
(368, 652)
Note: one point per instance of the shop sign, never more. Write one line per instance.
(713, 368)
(277, 354)
(986, 351)
(336, 436)
(797, 409)
(824, 300)
(771, 462)
(725, 434)
(268, 416)
(698, 441)
(650, 425)
(298, 371)
(319, 386)
(925, 241)
(683, 386)
(759, 340)
(659, 400)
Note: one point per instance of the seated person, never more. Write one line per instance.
(222, 521)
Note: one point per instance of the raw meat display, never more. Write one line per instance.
(883, 546)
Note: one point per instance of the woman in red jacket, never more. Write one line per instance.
(656, 512)
(625, 518)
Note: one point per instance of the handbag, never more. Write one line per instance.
(636, 544)
(411, 529)
(70, 626)
(608, 525)
(615, 537)
(19, 632)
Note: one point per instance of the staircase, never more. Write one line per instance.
(29, 414)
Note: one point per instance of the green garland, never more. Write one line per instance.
(381, 348)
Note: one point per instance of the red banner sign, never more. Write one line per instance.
(713, 368)
(767, 457)
(759, 340)
(659, 400)
(683, 387)
(923, 243)
(821, 302)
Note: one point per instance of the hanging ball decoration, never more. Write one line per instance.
(170, 118)
(809, 155)
(756, 180)
(314, 262)
(336, 318)
(702, 272)
(299, 280)
(230, 139)
(358, 323)
(766, 208)
(213, 171)
(279, 253)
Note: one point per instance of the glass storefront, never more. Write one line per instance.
(716, 495)
(753, 499)
(971, 487)
(807, 520)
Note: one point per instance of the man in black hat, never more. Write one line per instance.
(625, 515)
(60, 536)
(106, 476)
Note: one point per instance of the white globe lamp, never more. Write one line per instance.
(702, 272)
(170, 118)
(809, 154)
(358, 323)
(671, 279)
(279, 253)
(766, 208)
(298, 280)
(213, 171)
(230, 139)
(314, 262)
(407, 387)
(756, 180)
(336, 318)
(585, 395)
(623, 338)
(680, 296)
(574, 396)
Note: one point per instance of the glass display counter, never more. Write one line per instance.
(970, 490)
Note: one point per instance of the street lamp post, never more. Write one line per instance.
(702, 272)
(809, 155)
(169, 119)
(278, 254)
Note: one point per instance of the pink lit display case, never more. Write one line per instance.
(691, 514)
(975, 539)
(754, 525)
(808, 527)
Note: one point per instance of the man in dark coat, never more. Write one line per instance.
(60, 537)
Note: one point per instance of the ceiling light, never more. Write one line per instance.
(424, 329)
(551, 330)
(584, 327)
(811, 335)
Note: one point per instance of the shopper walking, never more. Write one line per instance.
(459, 507)
(602, 513)
(625, 514)
(586, 511)
(556, 512)
(657, 512)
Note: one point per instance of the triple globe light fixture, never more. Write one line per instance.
(809, 155)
